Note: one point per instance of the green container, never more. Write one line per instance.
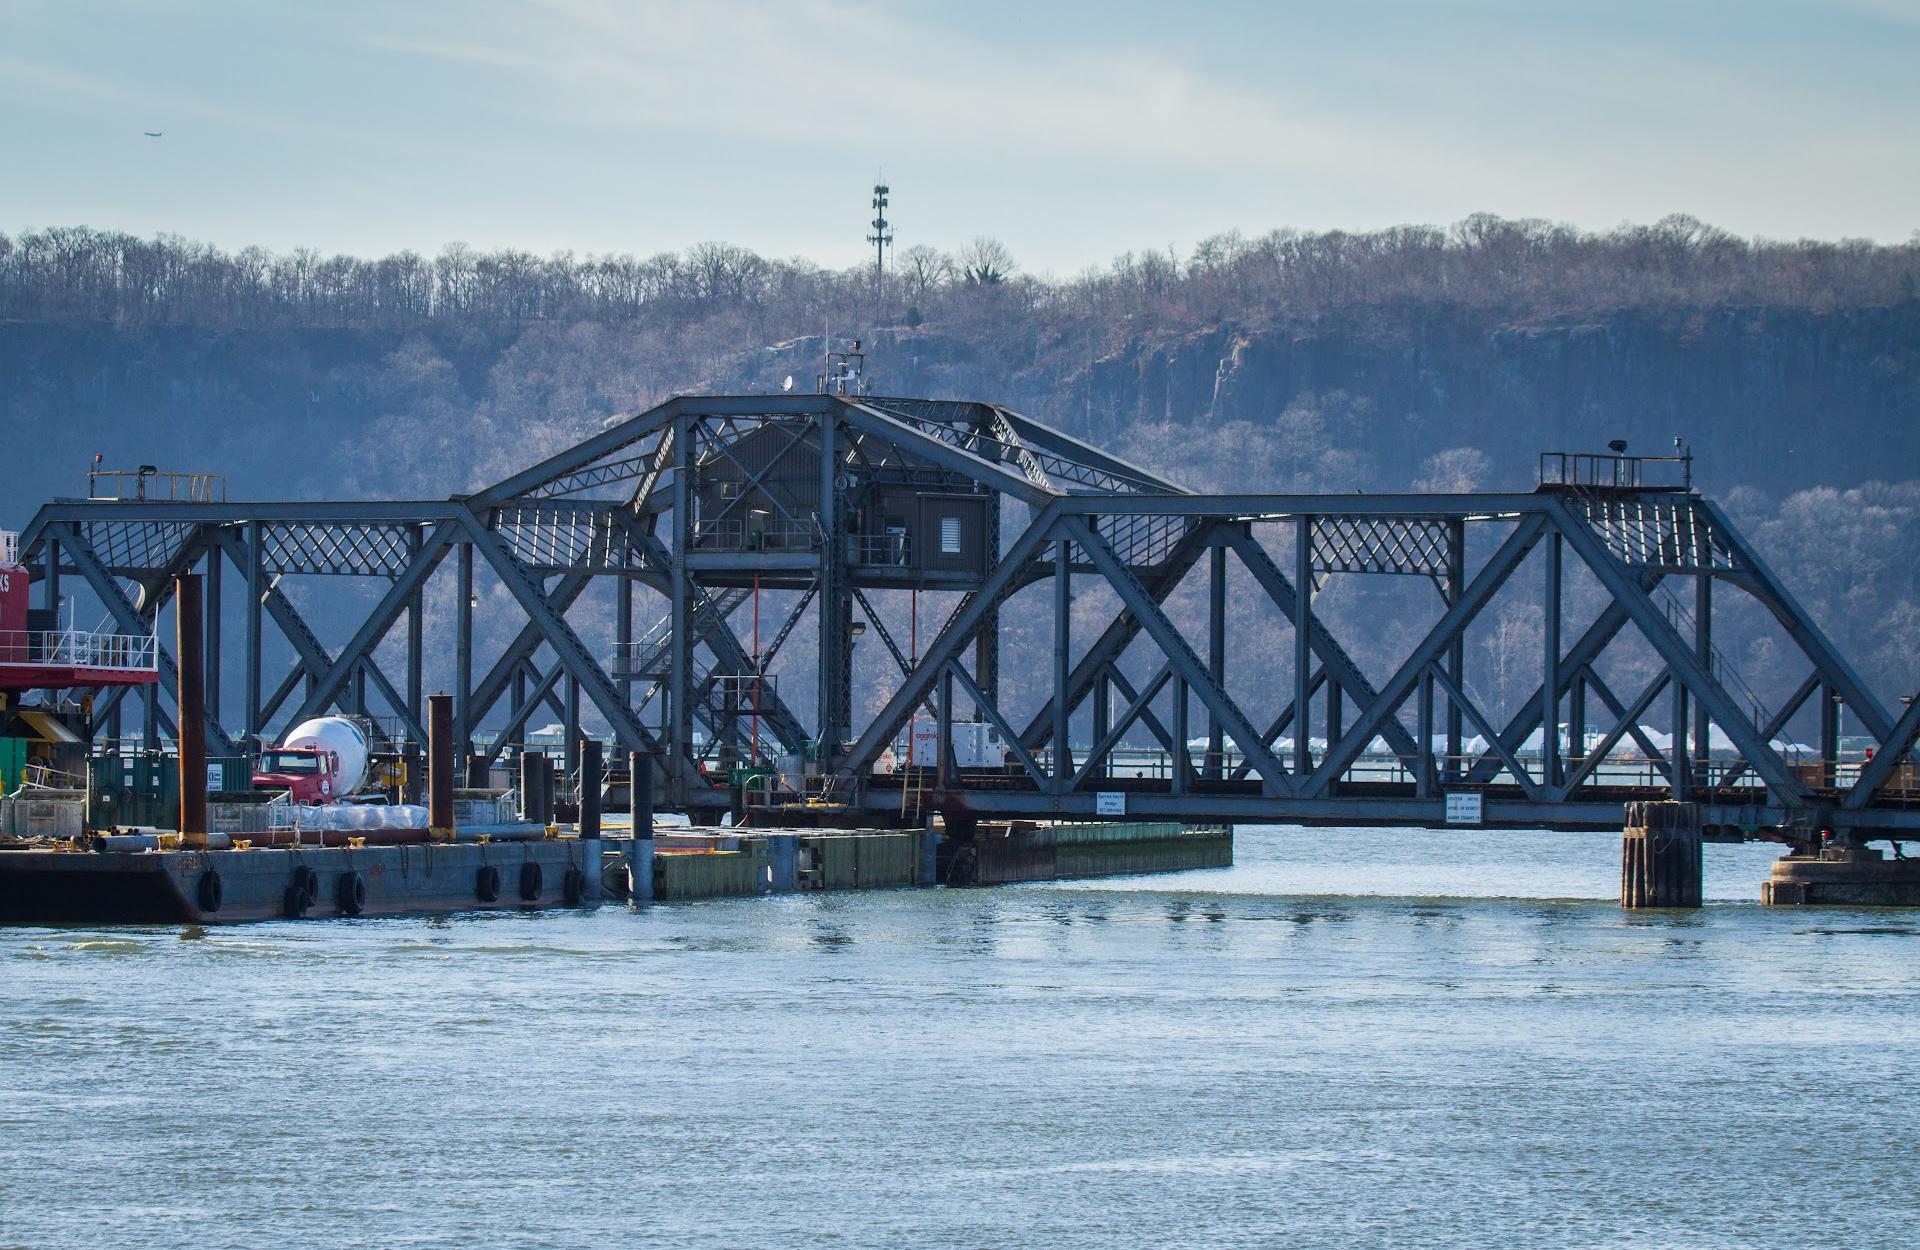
(128, 790)
(13, 764)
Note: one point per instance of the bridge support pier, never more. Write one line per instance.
(1660, 860)
(1843, 874)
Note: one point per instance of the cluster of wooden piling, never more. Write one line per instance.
(1660, 856)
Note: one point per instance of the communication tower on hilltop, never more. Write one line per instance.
(881, 238)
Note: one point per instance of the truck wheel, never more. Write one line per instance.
(486, 884)
(531, 879)
(574, 887)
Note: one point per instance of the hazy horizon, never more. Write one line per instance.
(644, 128)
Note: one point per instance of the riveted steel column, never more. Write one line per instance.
(1216, 656)
(1062, 637)
(1703, 650)
(1423, 760)
(256, 593)
(1829, 735)
(463, 650)
(211, 611)
(1457, 651)
(943, 729)
(836, 603)
(1550, 667)
(416, 636)
(50, 586)
(679, 694)
(1303, 648)
(1181, 761)
(1681, 759)
(986, 644)
(623, 637)
(570, 729)
(1102, 721)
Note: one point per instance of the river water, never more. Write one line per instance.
(1353, 1038)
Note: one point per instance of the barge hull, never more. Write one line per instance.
(64, 887)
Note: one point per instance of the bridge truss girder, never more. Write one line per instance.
(615, 511)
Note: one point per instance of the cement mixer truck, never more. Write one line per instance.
(323, 760)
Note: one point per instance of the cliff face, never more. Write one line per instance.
(1774, 400)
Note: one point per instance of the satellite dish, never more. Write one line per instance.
(788, 384)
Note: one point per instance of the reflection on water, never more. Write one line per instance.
(1351, 1038)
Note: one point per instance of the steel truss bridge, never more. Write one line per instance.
(571, 552)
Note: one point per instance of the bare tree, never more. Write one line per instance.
(986, 262)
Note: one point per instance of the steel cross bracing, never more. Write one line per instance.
(537, 581)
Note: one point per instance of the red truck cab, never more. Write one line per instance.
(304, 772)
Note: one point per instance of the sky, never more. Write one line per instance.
(1072, 132)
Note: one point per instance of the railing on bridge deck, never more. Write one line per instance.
(1723, 776)
(740, 534)
(65, 648)
(149, 483)
(1598, 471)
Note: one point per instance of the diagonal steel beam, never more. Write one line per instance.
(1281, 721)
(1335, 663)
(542, 692)
(306, 643)
(1136, 704)
(1801, 627)
(359, 649)
(1678, 652)
(1653, 753)
(1459, 699)
(1274, 777)
(577, 457)
(1596, 639)
(992, 713)
(1893, 750)
(1492, 575)
(76, 548)
(1779, 720)
(881, 425)
(945, 647)
(1628, 720)
(572, 654)
(521, 649)
(1153, 723)
(1122, 630)
(880, 627)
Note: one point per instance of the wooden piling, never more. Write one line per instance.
(189, 648)
(440, 767)
(590, 779)
(1660, 856)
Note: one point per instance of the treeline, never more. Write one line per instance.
(1520, 268)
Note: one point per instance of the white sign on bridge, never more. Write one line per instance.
(1110, 803)
(1463, 809)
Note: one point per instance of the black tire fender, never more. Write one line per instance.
(210, 892)
(352, 893)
